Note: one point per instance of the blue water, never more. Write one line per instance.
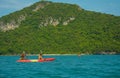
(86, 66)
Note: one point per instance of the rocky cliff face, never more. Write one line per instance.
(5, 26)
(41, 6)
(55, 22)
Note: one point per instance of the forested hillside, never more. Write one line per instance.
(59, 28)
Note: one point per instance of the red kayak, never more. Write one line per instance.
(36, 60)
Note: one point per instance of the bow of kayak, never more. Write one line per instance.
(36, 60)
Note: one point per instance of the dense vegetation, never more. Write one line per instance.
(90, 32)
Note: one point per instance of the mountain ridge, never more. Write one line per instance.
(59, 28)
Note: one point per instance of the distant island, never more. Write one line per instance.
(59, 28)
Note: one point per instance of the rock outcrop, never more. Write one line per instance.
(5, 26)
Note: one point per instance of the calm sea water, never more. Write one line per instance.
(86, 66)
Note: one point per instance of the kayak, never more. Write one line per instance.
(36, 60)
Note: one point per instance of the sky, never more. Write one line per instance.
(103, 6)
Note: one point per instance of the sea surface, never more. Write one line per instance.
(64, 66)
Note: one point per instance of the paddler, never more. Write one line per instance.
(22, 56)
(40, 56)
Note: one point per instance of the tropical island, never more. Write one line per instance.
(59, 28)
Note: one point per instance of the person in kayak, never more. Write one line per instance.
(22, 56)
(40, 57)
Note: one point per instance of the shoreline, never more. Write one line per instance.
(57, 54)
(37, 54)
